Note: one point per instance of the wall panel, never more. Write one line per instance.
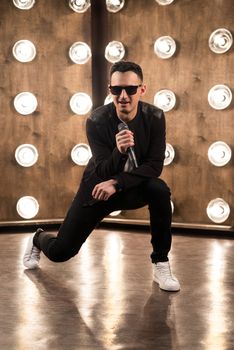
(54, 129)
(191, 126)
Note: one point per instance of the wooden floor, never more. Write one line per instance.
(104, 298)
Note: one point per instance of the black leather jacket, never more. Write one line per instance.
(107, 162)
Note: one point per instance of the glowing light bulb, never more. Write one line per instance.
(114, 5)
(25, 103)
(164, 2)
(24, 4)
(115, 213)
(81, 103)
(81, 154)
(114, 51)
(24, 51)
(80, 52)
(165, 99)
(27, 207)
(220, 41)
(219, 97)
(165, 47)
(26, 155)
(79, 6)
(219, 153)
(108, 99)
(218, 210)
(169, 154)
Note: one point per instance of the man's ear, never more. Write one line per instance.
(143, 89)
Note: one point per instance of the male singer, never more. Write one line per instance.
(127, 140)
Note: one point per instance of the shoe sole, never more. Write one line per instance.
(167, 290)
(27, 262)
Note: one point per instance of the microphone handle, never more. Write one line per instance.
(132, 157)
(131, 153)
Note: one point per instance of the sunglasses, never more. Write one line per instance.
(130, 90)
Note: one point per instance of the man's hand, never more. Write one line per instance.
(124, 140)
(104, 190)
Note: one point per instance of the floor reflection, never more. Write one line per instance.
(61, 326)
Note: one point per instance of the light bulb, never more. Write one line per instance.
(27, 207)
(115, 213)
(218, 210)
(164, 2)
(114, 51)
(219, 153)
(114, 5)
(81, 153)
(172, 207)
(79, 6)
(24, 51)
(26, 155)
(220, 41)
(108, 99)
(24, 4)
(80, 52)
(165, 47)
(81, 103)
(25, 103)
(165, 99)
(169, 154)
(220, 97)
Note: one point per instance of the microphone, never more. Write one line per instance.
(130, 150)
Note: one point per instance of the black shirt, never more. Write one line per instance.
(107, 162)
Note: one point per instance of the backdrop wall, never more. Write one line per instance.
(192, 125)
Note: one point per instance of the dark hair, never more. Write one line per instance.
(125, 66)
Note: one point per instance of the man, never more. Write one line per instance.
(127, 140)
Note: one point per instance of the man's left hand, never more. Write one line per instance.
(104, 190)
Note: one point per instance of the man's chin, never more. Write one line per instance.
(123, 108)
(124, 111)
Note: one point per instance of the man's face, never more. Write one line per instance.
(126, 104)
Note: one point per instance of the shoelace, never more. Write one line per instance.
(35, 252)
(165, 271)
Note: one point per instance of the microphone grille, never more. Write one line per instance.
(123, 126)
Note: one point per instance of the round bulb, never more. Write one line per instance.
(26, 155)
(220, 41)
(81, 103)
(81, 154)
(164, 2)
(220, 97)
(169, 154)
(27, 207)
(165, 100)
(25, 103)
(114, 5)
(80, 52)
(79, 6)
(24, 4)
(218, 210)
(114, 51)
(24, 51)
(219, 153)
(165, 47)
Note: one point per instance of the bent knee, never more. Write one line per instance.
(60, 255)
(157, 186)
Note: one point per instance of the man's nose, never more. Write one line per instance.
(123, 94)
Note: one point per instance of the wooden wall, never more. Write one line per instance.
(54, 129)
(191, 127)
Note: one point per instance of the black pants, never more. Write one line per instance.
(81, 220)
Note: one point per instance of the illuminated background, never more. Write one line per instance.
(61, 58)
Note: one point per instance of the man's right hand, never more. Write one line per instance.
(124, 140)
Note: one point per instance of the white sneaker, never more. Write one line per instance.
(163, 276)
(32, 254)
